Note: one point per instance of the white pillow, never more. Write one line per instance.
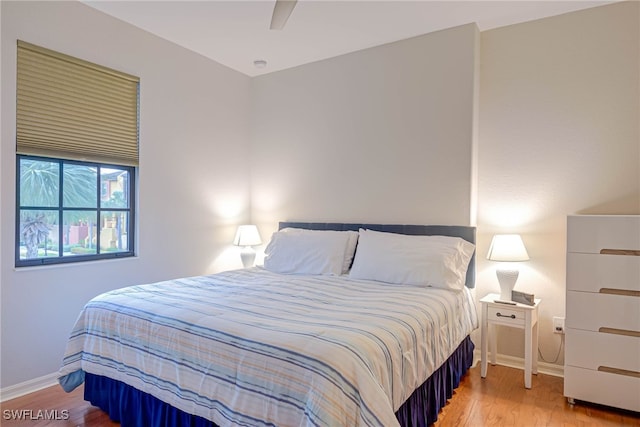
(293, 252)
(438, 261)
(352, 241)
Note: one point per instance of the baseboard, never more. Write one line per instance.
(518, 363)
(27, 387)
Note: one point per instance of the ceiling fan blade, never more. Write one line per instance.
(281, 12)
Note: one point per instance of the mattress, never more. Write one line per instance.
(251, 347)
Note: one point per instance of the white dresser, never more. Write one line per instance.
(602, 356)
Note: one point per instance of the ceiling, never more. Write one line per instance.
(235, 33)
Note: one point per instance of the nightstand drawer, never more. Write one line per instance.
(506, 316)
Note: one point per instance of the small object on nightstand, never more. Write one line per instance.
(522, 298)
(504, 302)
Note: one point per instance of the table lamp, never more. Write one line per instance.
(247, 236)
(507, 248)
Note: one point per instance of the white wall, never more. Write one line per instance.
(193, 187)
(380, 135)
(559, 135)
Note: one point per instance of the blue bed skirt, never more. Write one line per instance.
(132, 407)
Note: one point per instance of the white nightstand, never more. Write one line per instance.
(520, 316)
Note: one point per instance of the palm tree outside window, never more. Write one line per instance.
(72, 211)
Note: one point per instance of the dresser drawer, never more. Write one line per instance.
(593, 350)
(591, 311)
(591, 233)
(593, 272)
(614, 390)
(506, 316)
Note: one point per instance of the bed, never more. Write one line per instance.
(269, 346)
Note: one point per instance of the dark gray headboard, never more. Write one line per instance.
(468, 233)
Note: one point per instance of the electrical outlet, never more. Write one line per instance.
(558, 325)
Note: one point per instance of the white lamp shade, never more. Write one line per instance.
(507, 247)
(247, 235)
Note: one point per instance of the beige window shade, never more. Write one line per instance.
(72, 109)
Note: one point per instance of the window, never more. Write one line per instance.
(64, 213)
(77, 153)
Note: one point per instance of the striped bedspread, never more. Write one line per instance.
(254, 348)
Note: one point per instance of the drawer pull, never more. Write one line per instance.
(512, 316)
(629, 252)
(622, 292)
(618, 371)
(619, 332)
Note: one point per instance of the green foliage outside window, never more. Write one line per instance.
(69, 208)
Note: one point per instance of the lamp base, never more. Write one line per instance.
(248, 256)
(507, 280)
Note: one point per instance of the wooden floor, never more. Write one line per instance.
(498, 400)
